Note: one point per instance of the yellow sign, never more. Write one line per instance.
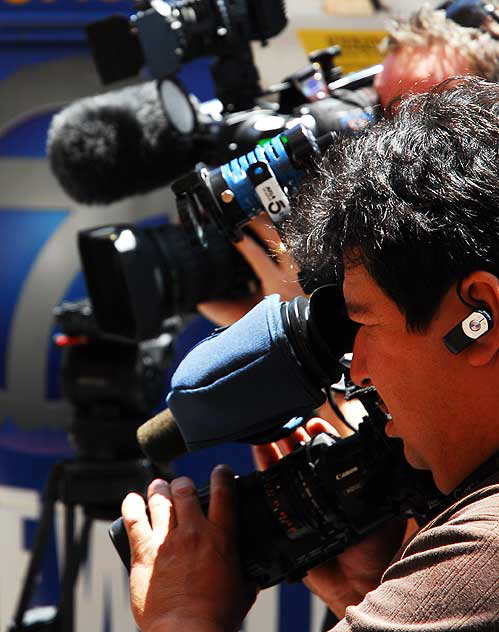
(359, 49)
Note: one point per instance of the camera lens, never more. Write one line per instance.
(138, 277)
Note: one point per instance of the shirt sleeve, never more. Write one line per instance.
(447, 579)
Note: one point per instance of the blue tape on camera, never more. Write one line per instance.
(273, 153)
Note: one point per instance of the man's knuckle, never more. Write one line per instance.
(183, 488)
(132, 523)
(191, 537)
(221, 494)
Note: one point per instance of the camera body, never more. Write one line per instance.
(319, 500)
(324, 497)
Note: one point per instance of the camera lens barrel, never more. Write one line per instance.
(259, 180)
(192, 273)
(138, 277)
(274, 154)
(177, 31)
(282, 161)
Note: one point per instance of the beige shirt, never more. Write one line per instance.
(445, 578)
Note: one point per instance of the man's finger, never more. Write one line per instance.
(136, 522)
(288, 444)
(267, 270)
(222, 510)
(187, 507)
(266, 455)
(316, 425)
(266, 231)
(257, 257)
(161, 511)
(277, 257)
(263, 226)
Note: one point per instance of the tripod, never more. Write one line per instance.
(99, 488)
(114, 386)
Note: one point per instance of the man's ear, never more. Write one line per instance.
(481, 288)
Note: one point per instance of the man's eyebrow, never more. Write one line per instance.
(357, 309)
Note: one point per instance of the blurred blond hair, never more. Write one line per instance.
(428, 27)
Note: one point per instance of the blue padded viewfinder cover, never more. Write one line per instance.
(241, 381)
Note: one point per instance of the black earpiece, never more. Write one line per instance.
(474, 326)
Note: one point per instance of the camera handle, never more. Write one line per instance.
(236, 78)
(76, 482)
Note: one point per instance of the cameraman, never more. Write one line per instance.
(407, 217)
(427, 47)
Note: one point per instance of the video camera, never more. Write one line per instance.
(138, 277)
(112, 386)
(256, 381)
(164, 34)
(159, 272)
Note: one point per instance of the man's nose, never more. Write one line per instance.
(358, 370)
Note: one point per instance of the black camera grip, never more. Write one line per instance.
(119, 538)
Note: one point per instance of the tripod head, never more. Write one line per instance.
(113, 385)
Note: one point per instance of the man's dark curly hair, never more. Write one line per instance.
(415, 199)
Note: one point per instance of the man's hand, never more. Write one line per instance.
(185, 571)
(275, 268)
(345, 580)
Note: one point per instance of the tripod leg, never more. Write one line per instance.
(66, 606)
(38, 551)
(75, 553)
(42, 533)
